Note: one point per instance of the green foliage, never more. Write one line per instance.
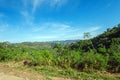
(91, 62)
(107, 44)
(70, 73)
(114, 61)
(68, 58)
(98, 53)
(102, 49)
(87, 35)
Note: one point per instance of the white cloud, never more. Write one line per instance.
(35, 4)
(30, 7)
(37, 29)
(50, 31)
(63, 31)
(40, 37)
(53, 27)
(44, 37)
(92, 29)
(9, 28)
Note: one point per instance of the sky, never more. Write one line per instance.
(52, 20)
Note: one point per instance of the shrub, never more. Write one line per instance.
(114, 60)
(90, 62)
(68, 59)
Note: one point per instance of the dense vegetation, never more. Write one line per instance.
(104, 49)
(101, 53)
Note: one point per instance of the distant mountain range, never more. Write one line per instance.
(66, 41)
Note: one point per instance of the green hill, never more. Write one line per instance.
(107, 43)
(109, 38)
(101, 53)
(102, 43)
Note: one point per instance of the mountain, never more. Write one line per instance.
(65, 41)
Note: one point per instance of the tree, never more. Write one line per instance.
(59, 47)
(87, 35)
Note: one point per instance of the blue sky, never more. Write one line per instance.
(50, 20)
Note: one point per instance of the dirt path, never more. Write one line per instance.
(115, 75)
(9, 73)
(4, 76)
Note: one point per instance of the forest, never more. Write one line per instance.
(100, 53)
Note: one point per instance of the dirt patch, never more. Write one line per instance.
(4, 76)
(111, 75)
(8, 72)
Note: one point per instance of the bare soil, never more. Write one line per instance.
(10, 73)
(111, 75)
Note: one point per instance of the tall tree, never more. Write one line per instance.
(87, 35)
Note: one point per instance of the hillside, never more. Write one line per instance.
(105, 40)
(76, 60)
(109, 38)
(107, 43)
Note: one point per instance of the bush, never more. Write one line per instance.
(114, 60)
(90, 62)
(68, 59)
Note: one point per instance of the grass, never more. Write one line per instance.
(70, 73)
(47, 78)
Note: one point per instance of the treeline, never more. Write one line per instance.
(99, 53)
